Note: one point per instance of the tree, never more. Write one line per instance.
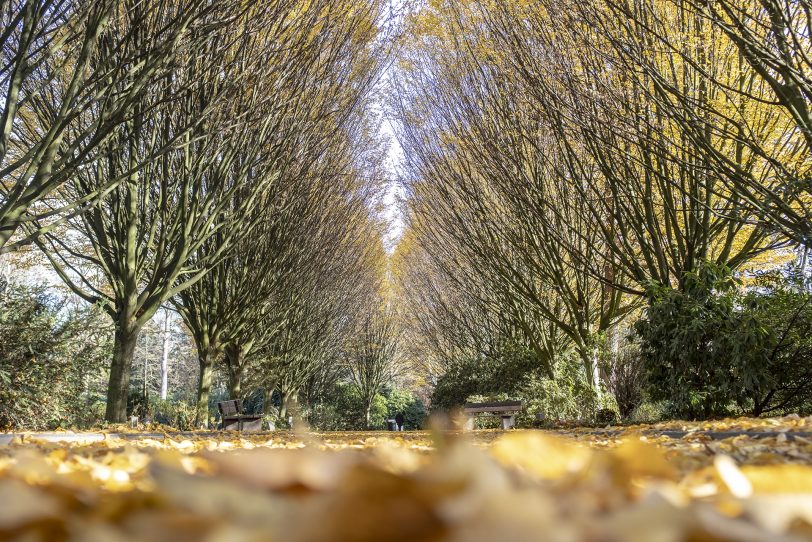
(753, 62)
(141, 238)
(166, 346)
(324, 305)
(71, 73)
(241, 305)
(487, 196)
(370, 356)
(550, 180)
(660, 205)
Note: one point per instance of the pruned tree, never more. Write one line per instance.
(539, 165)
(370, 356)
(209, 120)
(71, 73)
(236, 309)
(660, 207)
(323, 301)
(487, 198)
(747, 110)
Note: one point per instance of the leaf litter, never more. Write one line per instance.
(579, 485)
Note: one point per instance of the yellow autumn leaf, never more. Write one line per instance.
(540, 455)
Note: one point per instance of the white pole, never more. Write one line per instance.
(165, 357)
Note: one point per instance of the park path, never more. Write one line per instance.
(481, 437)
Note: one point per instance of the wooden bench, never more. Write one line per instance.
(234, 419)
(507, 410)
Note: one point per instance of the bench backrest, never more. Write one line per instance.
(495, 406)
(230, 408)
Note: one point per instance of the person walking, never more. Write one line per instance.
(399, 420)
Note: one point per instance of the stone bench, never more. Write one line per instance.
(506, 410)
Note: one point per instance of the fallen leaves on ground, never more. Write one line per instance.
(356, 487)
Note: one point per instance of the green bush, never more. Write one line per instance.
(413, 409)
(566, 397)
(647, 412)
(517, 375)
(342, 409)
(51, 357)
(780, 378)
(504, 372)
(710, 349)
(321, 416)
(177, 414)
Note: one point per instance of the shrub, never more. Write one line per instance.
(50, 357)
(709, 348)
(566, 397)
(342, 409)
(623, 377)
(648, 411)
(517, 375)
(605, 416)
(504, 372)
(782, 380)
(413, 409)
(177, 414)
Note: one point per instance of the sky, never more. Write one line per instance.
(393, 197)
(394, 192)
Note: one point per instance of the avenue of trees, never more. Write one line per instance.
(216, 158)
(606, 209)
(598, 184)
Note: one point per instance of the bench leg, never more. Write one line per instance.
(230, 425)
(508, 422)
(252, 425)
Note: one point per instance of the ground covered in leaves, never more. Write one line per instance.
(632, 484)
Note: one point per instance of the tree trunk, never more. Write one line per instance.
(235, 359)
(596, 374)
(283, 406)
(290, 405)
(368, 415)
(293, 404)
(590, 357)
(803, 267)
(235, 384)
(267, 402)
(206, 359)
(165, 358)
(119, 384)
